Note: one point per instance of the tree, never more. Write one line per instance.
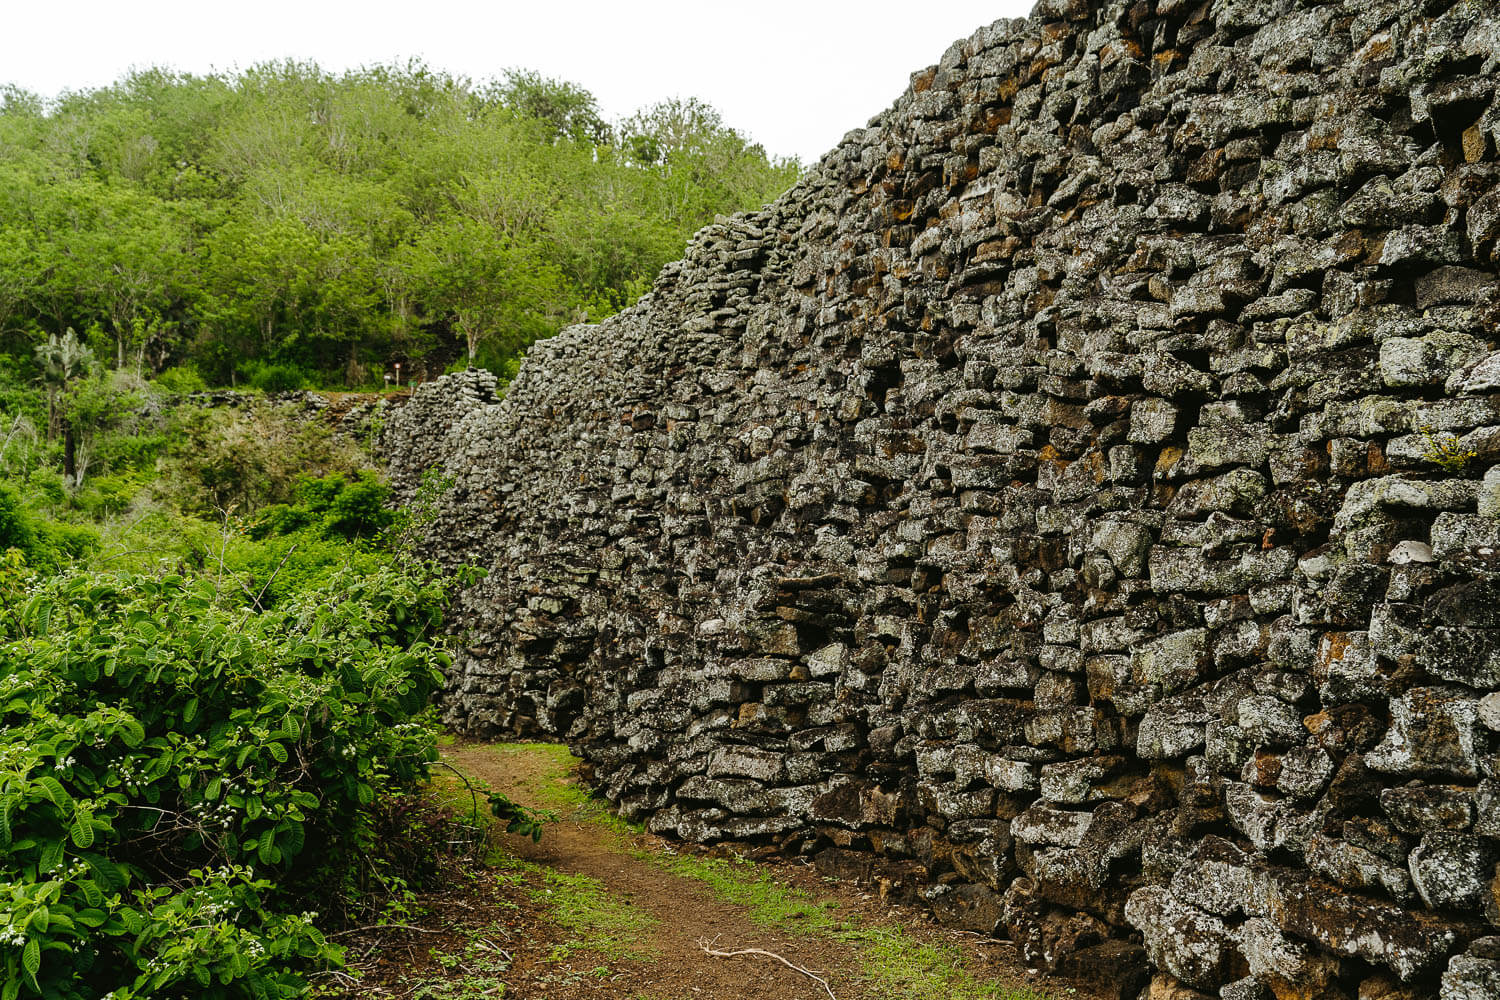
(570, 110)
(91, 405)
(290, 216)
(61, 359)
(497, 291)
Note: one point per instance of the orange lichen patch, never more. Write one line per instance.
(895, 160)
(1098, 468)
(1476, 144)
(1008, 88)
(1329, 140)
(1377, 462)
(992, 250)
(1121, 48)
(923, 81)
(1170, 456)
(1381, 46)
(1265, 768)
(1317, 723)
(1352, 245)
(1332, 648)
(1166, 59)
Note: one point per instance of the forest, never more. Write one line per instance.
(218, 644)
(285, 225)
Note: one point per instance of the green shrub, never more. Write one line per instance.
(17, 530)
(181, 379)
(243, 460)
(131, 452)
(270, 377)
(332, 507)
(284, 565)
(46, 486)
(62, 542)
(105, 496)
(178, 770)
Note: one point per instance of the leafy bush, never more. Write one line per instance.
(332, 507)
(42, 543)
(46, 485)
(181, 379)
(127, 452)
(105, 496)
(269, 377)
(177, 769)
(246, 459)
(281, 566)
(16, 528)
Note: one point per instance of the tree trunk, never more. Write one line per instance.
(70, 454)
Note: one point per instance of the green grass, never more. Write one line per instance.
(744, 883)
(894, 963)
(559, 790)
(598, 923)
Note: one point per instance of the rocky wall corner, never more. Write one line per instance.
(1076, 502)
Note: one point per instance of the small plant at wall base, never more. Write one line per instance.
(1447, 451)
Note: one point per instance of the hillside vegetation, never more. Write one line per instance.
(217, 651)
(286, 224)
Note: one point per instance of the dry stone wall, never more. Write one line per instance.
(1077, 502)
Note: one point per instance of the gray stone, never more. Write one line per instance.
(1453, 869)
(1433, 730)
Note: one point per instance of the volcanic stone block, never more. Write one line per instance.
(1433, 730)
(1197, 948)
(1453, 869)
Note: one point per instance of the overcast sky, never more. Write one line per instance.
(794, 75)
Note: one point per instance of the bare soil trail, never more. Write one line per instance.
(596, 910)
(683, 912)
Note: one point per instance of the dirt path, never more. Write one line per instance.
(596, 910)
(683, 911)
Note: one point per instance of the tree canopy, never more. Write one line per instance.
(285, 215)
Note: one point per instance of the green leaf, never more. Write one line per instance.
(133, 733)
(54, 790)
(82, 831)
(190, 710)
(278, 751)
(31, 960)
(52, 853)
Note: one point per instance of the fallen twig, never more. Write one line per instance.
(383, 927)
(708, 949)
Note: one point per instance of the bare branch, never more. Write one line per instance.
(708, 949)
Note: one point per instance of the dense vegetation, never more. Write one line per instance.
(216, 658)
(285, 224)
(216, 651)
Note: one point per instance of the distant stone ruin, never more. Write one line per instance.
(1077, 502)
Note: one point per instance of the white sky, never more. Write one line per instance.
(793, 75)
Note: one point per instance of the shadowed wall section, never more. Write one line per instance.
(1077, 502)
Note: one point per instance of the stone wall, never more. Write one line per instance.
(1079, 499)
